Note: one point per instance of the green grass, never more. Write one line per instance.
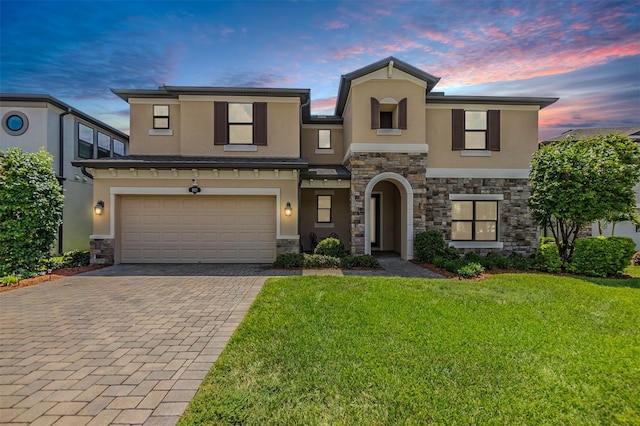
(512, 349)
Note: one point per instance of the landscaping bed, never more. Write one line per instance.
(55, 274)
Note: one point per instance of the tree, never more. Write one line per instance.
(576, 183)
(30, 209)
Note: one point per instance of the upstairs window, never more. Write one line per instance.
(474, 220)
(324, 209)
(118, 148)
(104, 145)
(85, 141)
(475, 130)
(388, 114)
(324, 139)
(240, 123)
(161, 116)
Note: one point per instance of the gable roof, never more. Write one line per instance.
(346, 79)
(576, 134)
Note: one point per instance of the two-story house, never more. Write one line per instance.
(33, 121)
(243, 174)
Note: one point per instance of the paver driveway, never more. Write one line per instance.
(127, 344)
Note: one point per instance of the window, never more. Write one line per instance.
(474, 220)
(324, 139)
(85, 141)
(241, 124)
(324, 208)
(161, 116)
(389, 114)
(15, 123)
(118, 148)
(104, 145)
(475, 130)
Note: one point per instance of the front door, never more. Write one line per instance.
(375, 222)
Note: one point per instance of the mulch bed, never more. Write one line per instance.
(56, 274)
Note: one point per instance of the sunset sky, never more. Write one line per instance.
(587, 53)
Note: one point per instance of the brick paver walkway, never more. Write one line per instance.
(119, 345)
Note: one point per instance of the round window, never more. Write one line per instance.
(15, 123)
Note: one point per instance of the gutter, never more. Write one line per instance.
(61, 168)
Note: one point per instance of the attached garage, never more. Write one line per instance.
(197, 229)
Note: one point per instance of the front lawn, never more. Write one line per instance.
(512, 349)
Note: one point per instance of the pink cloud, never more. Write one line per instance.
(323, 104)
(224, 31)
(349, 51)
(335, 25)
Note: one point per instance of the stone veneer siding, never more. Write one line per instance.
(365, 166)
(101, 251)
(516, 228)
(287, 246)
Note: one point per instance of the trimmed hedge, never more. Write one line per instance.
(330, 247)
(548, 257)
(602, 256)
(303, 260)
(429, 245)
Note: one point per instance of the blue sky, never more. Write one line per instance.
(585, 52)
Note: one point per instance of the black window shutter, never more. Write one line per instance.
(259, 123)
(402, 114)
(375, 113)
(457, 129)
(220, 123)
(493, 130)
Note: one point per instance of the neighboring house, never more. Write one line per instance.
(624, 229)
(227, 174)
(31, 121)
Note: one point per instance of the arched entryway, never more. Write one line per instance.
(403, 217)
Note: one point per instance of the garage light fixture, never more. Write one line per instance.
(99, 207)
(287, 209)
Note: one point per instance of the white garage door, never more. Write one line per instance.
(197, 229)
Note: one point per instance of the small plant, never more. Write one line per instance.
(518, 261)
(289, 260)
(367, 261)
(330, 247)
(470, 270)
(9, 280)
(76, 258)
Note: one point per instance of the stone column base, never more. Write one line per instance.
(101, 251)
(289, 245)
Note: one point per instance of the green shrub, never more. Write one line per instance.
(428, 245)
(601, 256)
(470, 270)
(495, 260)
(548, 258)
(9, 280)
(520, 262)
(547, 240)
(30, 209)
(76, 258)
(451, 253)
(320, 261)
(367, 261)
(55, 262)
(289, 260)
(439, 261)
(330, 247)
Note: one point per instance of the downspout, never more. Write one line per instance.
(61, 167)
(300, 176)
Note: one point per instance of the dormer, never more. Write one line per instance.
(384, 103)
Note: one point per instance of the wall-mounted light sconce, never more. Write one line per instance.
(194, 188)
(99, 207)
(287, 209)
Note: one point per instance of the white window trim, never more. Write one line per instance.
(323, 225)
(240, 148)
(476, 197)
(324, 151)
(160, 132)
(475, 153)
(389, 132)
(476, 244)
